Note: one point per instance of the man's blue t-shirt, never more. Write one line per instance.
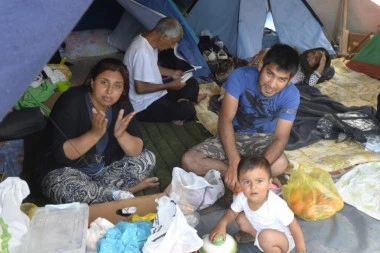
(257, 113)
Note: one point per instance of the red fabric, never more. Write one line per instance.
(366, 68)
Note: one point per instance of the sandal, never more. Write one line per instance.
(209, 56)
(243, 237)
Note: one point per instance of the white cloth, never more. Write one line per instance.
(273, 214)
(97, 230)
(360, 188)
(141, 60)
(12, 192)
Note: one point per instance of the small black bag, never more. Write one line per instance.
(358, 126)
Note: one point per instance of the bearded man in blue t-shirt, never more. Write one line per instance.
(257, 114)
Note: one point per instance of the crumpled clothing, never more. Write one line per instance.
(125, 237)
(34, 97)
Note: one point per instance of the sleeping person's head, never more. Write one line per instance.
(311, 58)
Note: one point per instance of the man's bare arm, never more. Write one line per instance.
(227, 136)
(280, 139)
(145, 87)
(173, 73)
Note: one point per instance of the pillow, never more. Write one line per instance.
(127, 28)
(87, 43)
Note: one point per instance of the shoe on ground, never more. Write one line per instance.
(209, 56)
(207, 33)
(222, 55)
(219, 43)
(205, 54)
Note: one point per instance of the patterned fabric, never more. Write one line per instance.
(298, 77)
(66, 185)
(349, 87)
(87, 43)
(246, 143)
(208, 118)
(330, 156)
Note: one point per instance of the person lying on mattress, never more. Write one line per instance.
(93, 146)
(256, 117)
(151, 98)
(314, 67)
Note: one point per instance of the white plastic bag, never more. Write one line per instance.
(192, 192)
(12, 192)
(170, 232)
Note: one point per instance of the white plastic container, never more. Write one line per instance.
(58, 229)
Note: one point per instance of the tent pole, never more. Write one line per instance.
(344, 36)
(338, 21)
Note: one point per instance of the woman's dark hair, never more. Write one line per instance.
(254, 162)
(112, 65)
(284, 56)
(305, 67)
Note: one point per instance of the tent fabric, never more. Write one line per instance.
(31, 31)
(242, 27)
(212, 15)
(251, 31)
(366, 68)
(367, 61)
(125, 31)
(370, 53)
(132, 23)
(296, 26)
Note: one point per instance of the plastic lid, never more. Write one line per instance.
(58, 228)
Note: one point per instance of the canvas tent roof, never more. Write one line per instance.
(370, 53)
(30, 34)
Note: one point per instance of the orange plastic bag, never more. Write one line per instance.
(311, 194)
